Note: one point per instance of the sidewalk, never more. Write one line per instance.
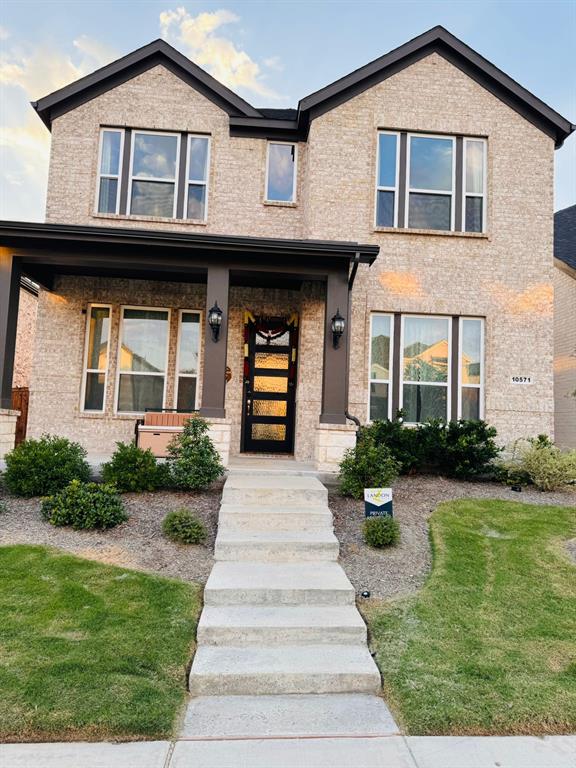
(361, 752)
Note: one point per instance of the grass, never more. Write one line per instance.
(488, 646)
(90, 651)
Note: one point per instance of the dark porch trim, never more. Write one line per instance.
(10, 275)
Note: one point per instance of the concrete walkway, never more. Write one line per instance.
(374, 752)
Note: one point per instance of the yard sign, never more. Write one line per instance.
(378, 502)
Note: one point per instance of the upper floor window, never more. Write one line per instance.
(431, 182)
(109, 170)
(153, 170)
(197, 179)
(153, 173)
(281, 172)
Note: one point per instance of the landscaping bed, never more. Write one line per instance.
(90, 651)
(487, 645)
(137, 543)
(403, 569)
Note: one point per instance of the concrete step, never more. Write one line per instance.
(284, 490)
(275, 518)
(273, 625)
(252, 583)
(233, 670)
(275, 546)
(241, 717)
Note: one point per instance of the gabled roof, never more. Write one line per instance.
(108, 77)
(246, 120)
(565, 236)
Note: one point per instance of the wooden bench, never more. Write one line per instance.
(157, 429)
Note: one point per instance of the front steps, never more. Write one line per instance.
(280, 615)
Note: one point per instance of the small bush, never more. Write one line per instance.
(540, 462)
(85, 505)
(402, 442)
(44, 466)
(367, 465)
(381, 532)
(193, 460)
(183, 526)
(133, 469)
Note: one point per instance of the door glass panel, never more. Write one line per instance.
(268, 431)
(275, 360)
(280, 341)
(270, 384)
(269, 407)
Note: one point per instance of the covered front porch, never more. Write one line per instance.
(255, 283)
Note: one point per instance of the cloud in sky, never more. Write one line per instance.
(201, 38)
(26, 74)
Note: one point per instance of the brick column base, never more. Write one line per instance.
(332, 440)
(7, 430)
(219, 433)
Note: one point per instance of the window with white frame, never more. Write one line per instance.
(474, 169)
(142, 359)
(188, 360)
(425, 372)
(387, 180)
(416, 184)
(153, 173)
(281, 172)
(109, 170)
(197, 177)
(96, 358)
(380, 366)
(471, 368)
(432, 380)
(431, 182)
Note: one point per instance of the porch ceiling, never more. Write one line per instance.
(46, 250)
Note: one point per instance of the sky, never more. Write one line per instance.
(272, 53)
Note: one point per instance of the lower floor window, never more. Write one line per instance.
(430, 367)
(142, 359)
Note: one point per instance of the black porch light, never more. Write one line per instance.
(215, 320)
(338, 326)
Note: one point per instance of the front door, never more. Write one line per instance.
(270, 348)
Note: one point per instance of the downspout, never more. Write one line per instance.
(351, 279)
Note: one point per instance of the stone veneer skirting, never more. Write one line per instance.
(8, 419)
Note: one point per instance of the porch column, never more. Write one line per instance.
(10, 273)
(214, 378)
(334, 382)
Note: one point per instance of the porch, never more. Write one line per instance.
(307, 283)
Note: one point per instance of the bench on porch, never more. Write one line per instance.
(157, 429)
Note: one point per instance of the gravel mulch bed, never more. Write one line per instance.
(137, 543)
(403, 569)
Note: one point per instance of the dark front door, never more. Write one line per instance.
(269, 383)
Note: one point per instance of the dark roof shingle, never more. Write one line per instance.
(565, 236)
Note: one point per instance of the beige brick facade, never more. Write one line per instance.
(504, 276)
(26, 331)
(565, 355)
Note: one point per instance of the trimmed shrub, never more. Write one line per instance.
(194, 461)
(133, 469)
(462, 449)
(367, 465)
(44, 466)
(381, 532)
(85, 505)
(183, 526)
(540, 462)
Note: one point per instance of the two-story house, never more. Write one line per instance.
(387, 245)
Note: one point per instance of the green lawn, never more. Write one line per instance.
(489, 644)
(90, 651)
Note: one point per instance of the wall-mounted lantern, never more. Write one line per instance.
(215, 320)
(338, 327)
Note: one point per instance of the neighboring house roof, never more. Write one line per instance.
(565, 236)
(246, 120)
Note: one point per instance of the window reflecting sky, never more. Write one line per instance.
(280, 172)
